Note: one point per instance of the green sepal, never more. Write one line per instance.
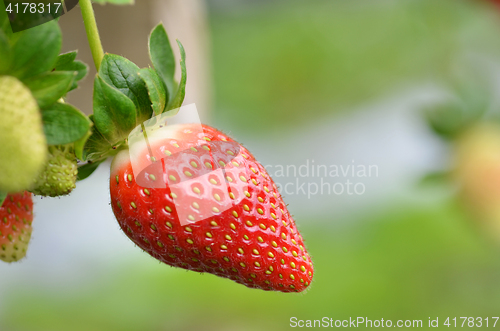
(97, 148)
(67, 62)
(35, 51)
(80, 144)
(123, 74)
(95, 144)
(156, 88)
(114, 113)
(162, 56)
(178, 99)
(64, 124)
(3, 195)
(85, 170)
(49, 87)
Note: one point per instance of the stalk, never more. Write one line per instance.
(92, 32)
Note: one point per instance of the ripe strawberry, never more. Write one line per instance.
(59, 175)
(203, 203)
(16, 216)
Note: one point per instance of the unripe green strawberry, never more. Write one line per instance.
(59, 176)
(16, 215)
(23, 146)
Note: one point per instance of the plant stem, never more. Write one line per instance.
(92, 32)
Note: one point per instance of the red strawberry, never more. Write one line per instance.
(204, 203)
(16, 216)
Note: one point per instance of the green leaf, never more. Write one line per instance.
(4, 54)
(28, 17)
(123, 74)
(114, 113)
(66, 58)
(49, 87)
(115, 2)
(81, 70)
(162, 56)
(84, 171)
(4, 20)
(156, 88)
(36, 50)
(178, 99)
(5, 51)
(67, 62)
(64, 124)
(3, 195)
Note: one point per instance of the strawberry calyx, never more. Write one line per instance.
(125, 96)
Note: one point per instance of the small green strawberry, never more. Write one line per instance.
(16, 216)
(23, 146)
(59, 176)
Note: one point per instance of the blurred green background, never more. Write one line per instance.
(285, 72)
